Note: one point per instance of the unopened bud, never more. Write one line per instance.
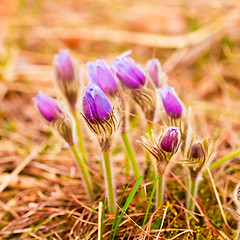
(54, 116)
(66, 74)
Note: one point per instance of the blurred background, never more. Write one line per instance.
(197, 43)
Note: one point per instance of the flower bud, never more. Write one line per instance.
(47, 106)
(67, 77)
(102, 76)
(171, 103)
(99, 115)
(197, 151)
(128, 72)
(96, 106)
(170, 140)
(154, 70)
(197, 157)
(163, 150)
(52, 113)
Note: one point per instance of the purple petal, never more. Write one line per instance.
(106, 79)
(102, 76)
(154, 70)
(95, 104)
(170, 139)
(87, 110)
(128, 72)
(103, 107)
(171, 102)
(64, 66)
(197, 150)
(92, 72)
(124, 55)
(47, 106)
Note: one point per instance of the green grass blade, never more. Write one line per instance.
(103, 217)
(119, 204)
(215, 141)
(125, 207)
(224, 159)
(150, 200)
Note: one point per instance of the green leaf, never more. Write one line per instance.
(224, 159)
(103, 217)
(119, 204)
(125, 207)
(150, 200)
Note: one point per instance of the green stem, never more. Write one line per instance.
(133, 160)
(151, 173)
(187, 184)
(109, 182)
(83, 170)
(160, 190)
(127, 166)
(149, 132)
(224, 159)
(193, 193)
(79, 135)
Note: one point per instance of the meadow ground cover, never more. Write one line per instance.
(103, 143)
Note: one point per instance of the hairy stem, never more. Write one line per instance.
(127, 166)
(79, 136)
(193, 191)
(149, 132)
(188, 185)
(83, 171)
(160, 190)
(132, 160)
(109, 182)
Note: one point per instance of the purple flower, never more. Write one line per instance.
(64, 66)
(172, 104)
(47, 106)
(96, 106)
(128, 72)
(67, 76)
(197, 150)
(154, 70)
(102, 76)
(170, 140)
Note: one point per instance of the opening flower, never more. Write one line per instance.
(102, 76)
(171, 103)
(154, 71)
(66, 74)
(47, 106)
(96, 106)
(128, 72)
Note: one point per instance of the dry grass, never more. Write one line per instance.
(40, 186)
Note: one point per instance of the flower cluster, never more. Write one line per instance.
(104, 110)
